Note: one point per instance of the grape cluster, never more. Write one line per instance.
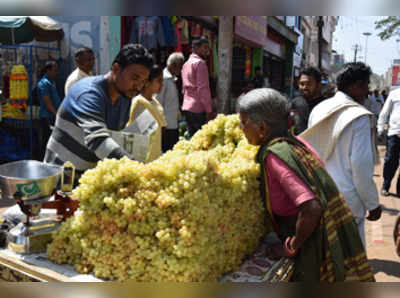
(190, 215)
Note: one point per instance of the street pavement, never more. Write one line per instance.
(379, 235)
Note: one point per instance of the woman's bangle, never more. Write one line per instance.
(289, 251)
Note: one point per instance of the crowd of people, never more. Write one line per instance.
(317, 151)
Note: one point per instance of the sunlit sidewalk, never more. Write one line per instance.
(379, 235)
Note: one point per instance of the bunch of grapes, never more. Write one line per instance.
(191, 215)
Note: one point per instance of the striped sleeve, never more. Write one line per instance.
(91, 118)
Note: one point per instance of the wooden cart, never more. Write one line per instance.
(14, 270)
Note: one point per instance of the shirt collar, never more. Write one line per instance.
(168, 74)
(196, 56)
(87, 74)
(48, 78)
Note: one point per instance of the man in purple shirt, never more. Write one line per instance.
(197, 106)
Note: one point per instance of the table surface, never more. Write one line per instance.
(36, 267)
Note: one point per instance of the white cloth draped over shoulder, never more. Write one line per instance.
(329, 119)
(343, 133)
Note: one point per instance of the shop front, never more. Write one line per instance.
(274, 61)
(278, 54)
(163, 35)
(250, 38)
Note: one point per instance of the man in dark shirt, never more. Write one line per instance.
(49, 102)
(258, 80)
(312, 93)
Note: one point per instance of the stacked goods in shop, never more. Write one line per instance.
(10, 111)
(19, 87)
(191, 215)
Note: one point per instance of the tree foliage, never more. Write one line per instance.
(389, 27)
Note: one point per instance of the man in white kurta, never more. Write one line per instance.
(84, 60)
(169, 99)
(341, 130)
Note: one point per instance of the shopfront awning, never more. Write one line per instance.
(22, 29)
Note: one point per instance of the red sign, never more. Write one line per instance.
(395, 75)
(252, 28)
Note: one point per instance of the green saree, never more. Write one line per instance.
(334, 251)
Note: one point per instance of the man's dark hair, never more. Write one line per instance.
(312, 72)
(47, 66)
(199, 41)
(155, 71)
(79, 52)
(351, 73)
(133, 54)
(257, 68)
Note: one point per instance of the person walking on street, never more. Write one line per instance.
(341, 130)
(312, 93)
(197, 105)
(390, 116)
(49, 102)
(169, 99)
(84, 60)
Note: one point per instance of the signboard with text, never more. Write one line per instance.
(395, 75)
(252, 28)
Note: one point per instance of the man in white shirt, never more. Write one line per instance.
(341, 130)
(84, 60)
(373, 105)
(169, 99)
(390, 115)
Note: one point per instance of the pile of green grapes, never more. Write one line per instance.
(191, 215)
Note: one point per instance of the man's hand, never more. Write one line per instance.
(375, 214)
(381, 137)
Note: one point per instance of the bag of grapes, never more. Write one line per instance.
(137, 139)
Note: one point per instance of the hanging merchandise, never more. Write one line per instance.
(257, 59)
(19, 86)
(11, 112)
(169, 31)
(247, 72)
(148, 31)
(196, 31)
(182, 28)
(6, 82)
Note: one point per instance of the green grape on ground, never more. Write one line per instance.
(191, 215)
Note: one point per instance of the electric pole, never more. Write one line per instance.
(320, 25)
(356, 48)
(225, 42)
(366, 34)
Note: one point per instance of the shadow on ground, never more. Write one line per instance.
(391, 211)
(388, 267)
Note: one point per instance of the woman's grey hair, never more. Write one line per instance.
(175, 58)
(266, 105)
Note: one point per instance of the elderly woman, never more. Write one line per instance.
(315, 226)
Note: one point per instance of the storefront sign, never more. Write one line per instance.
(252, 28)
(275, 48)
(395, 75)
(298, 52)
(326, 61)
